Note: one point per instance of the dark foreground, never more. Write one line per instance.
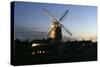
(70, 53)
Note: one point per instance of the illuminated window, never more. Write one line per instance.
(33, 53)
(40, 52)
(43, 51)
(83, 45)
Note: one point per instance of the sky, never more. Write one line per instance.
(31, 22)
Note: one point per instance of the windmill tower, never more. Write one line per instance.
(56, 29)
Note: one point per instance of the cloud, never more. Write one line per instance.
(25, 33)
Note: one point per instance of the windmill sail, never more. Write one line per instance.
(49, 13)
(63, 15)
(56, 29)
(50, 30)
(67, 30)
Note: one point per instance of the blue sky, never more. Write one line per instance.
(29, 17)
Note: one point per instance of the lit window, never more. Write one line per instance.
(43, 51)
(83, 45)
(40, 51)
(33, 53)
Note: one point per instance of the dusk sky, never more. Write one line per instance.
(32, 22)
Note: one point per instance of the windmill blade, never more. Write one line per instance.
(51, 30)
(67, 30)
(49, 13)
(63, 16)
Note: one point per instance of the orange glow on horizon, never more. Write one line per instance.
(89, 37)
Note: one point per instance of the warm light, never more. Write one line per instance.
(43, 51)
(40, 51)
(33, 45)
(33, 53)
(84, 36)
(83, 44)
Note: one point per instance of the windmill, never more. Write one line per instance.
(56, 28)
